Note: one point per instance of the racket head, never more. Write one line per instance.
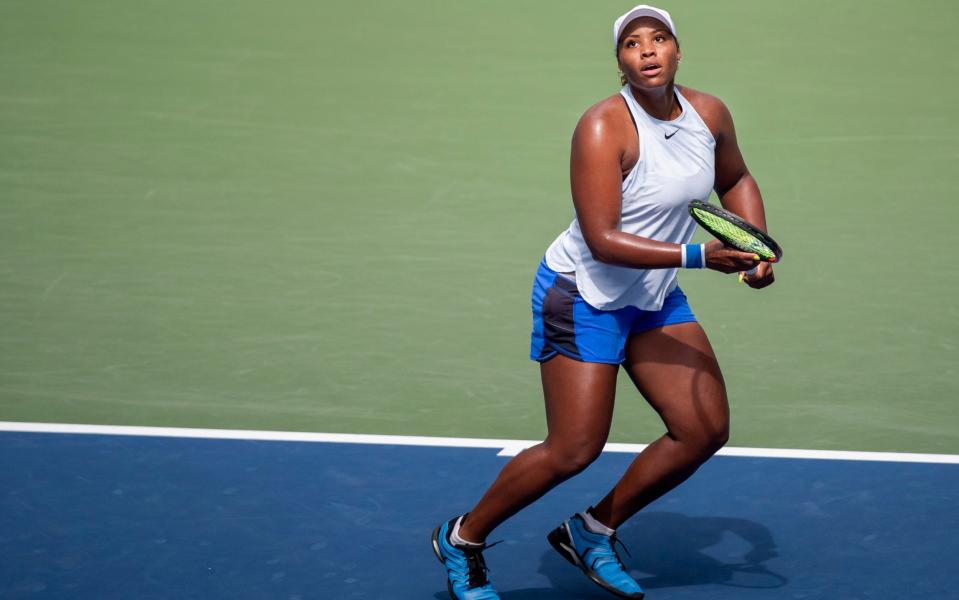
(734, 231)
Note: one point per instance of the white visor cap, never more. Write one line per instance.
(642, 10)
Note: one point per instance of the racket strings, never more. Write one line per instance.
(734, 236)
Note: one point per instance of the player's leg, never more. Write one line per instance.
(579, 400)
(579, 405)
(675, 369)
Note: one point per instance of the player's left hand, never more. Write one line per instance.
(760, 277)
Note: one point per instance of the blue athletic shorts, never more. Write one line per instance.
(564, 323)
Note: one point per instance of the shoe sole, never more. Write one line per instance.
(562, 541)
(435, 538)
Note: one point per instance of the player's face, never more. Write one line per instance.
(648, 53)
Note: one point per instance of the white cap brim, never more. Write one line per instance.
(642, 10)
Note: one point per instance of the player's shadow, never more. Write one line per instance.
(669, 549)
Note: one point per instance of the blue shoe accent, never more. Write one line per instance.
(595, 554)
(465, 567)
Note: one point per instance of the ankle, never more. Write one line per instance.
(594, 524)
(462, 536)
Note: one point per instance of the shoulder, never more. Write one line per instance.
(606, 121)
(711, 109)
(612, 107)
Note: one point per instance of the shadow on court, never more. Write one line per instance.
(675, 550)
(671, 548)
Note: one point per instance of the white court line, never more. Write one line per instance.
(506, 447)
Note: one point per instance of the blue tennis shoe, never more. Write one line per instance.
(465, 566)
(595, 554)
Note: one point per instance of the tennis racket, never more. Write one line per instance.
(735, 232)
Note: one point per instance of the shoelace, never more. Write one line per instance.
(476, 568)
(613, 540)
(610, 551)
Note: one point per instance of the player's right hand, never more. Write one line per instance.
(725, 259)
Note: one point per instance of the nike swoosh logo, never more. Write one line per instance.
(671, 134)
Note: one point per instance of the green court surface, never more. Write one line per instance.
(325, 216)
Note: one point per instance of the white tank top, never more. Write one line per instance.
(676, 164)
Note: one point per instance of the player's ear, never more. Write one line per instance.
(679, 55)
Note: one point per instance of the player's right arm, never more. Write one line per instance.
(603, 148)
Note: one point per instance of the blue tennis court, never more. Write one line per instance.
(117, 516)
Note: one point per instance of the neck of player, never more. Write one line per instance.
(659, 102)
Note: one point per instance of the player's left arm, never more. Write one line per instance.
(736, 188)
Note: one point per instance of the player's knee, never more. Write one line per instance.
(568, 459)
(712, 439)
(703, 442)
(717, 439)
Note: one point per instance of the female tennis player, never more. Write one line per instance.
(606, 295)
